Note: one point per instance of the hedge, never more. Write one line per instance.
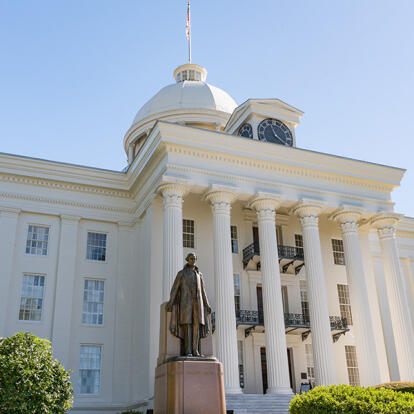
(398, 386)
(31, 380)
(345, 399)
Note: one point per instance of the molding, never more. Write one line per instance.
(62, 185)
(71, 203)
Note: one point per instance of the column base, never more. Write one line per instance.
(279, 390)
(233, 390)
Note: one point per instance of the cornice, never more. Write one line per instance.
(388, 205)
(59, 201)
(278, 167)
(62, 185)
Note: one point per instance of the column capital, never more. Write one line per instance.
(308, 211)
(68, 218)
(9, 211)
(385, 223)
(173, 190)
(348, 218)
(221, 195)
(265, 201)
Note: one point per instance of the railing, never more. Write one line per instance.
(292, 320)
(284, 252)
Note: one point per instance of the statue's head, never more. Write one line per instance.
(191, 258)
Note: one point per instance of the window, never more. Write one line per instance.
(234, 244)
(96, 246)
(345, 303)
(93, 302)
(310, 364)
(304, 300)
(279, 235)
(188, 233)
(241, 363)
(352, 365)
(90, 369)
(31, 300)
(338, 251)
(285, 299)
(37, 240)
(299, 245)
(236, 279)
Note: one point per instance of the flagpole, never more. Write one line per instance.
(189, 32)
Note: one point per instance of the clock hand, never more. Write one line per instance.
(277, 136)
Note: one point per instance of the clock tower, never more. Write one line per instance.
(270, 120)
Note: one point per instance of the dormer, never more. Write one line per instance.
(270, 120)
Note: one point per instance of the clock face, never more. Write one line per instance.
(246, 130)
(273, 130)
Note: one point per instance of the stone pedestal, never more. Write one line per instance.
(189, 387)
(186, 385)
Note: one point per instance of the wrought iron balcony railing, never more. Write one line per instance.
(292, 320)
(285, 252)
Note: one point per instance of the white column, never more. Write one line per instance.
(323, 355)
(361, 315)
(274, 322)
(226, 331)
(8, 227)
(173, 260)
(401, 322)
(65, 279)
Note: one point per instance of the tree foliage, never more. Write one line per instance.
(345, 399)
(31, 380)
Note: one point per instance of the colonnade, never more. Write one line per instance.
(265, 204)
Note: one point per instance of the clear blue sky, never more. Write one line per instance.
(74, 73)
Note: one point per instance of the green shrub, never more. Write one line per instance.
(31, 380)
(398, 386)
(345, 399)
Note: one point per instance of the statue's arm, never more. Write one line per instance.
(203, 292)
(174, 291)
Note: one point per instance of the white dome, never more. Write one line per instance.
(190, 93)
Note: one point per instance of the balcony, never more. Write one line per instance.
(295, 323)
(291, 259)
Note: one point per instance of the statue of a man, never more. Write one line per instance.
(190, 308)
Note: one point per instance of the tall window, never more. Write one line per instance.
(345, 303)
(188, 233)
(234, 244)
(96, 246)
(236, 279)
(37, 240)
(241, 363)
(310, 364)
(338, 251)
(285, 299)
(304, 300)
(31, 300)
(93, 302)
(90, 369)
(352, 365)
(299, 244)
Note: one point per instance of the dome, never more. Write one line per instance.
(190, 101)
(190, 92)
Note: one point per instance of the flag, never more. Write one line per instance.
(188, 24)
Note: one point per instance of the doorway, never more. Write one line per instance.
(264, 369)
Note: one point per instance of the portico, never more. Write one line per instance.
(217, 199)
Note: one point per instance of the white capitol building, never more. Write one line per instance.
(308, 267)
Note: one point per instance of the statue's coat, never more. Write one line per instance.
(188, 292)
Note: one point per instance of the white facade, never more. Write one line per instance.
(187, 162)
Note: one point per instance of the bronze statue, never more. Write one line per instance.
(190, 308)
